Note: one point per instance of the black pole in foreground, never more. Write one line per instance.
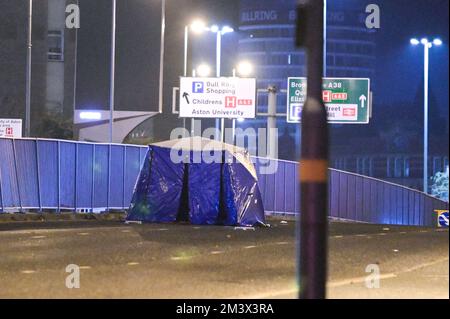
(314, 158)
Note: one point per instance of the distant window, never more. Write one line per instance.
(55, 46)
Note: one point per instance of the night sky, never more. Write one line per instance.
(398, 81)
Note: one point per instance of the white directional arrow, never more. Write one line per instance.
(363, 100)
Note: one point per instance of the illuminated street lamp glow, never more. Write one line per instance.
(227, 29)
(424, 41)
(198, 26)
(415, 42)
(437, 42)
(245, 68)
(214, 29)
(203, 70)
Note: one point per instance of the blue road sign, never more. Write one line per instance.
(443, 218)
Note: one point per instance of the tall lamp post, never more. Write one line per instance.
(199, 27)
(28, 75)
(219, 33)
(427, 46)
(112, 69)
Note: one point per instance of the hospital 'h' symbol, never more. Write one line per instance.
(230, 101)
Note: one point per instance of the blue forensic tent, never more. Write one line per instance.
(198, 180)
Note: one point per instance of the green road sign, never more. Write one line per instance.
(346, 100)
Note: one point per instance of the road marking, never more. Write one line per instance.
(57, 230)
(126, 231)
(28, 272)
(162, 229)
(386, 229)
(249, 247)
(339, 236)
(382, 234)
(38, 237)
(181, 258)
(85, 267)
(217, 252)
(361, 235)
(282, 243)
(133, 263)
(424, 231)
(402, 232)
(395, 250)
(83, 234)
(340, 283)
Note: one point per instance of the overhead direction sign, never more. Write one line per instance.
(11, 128)
(346, 99)
(218, 97)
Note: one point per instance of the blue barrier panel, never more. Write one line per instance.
(26, 162)
(8, 182)
(116, 196)
(84, 176)
(101, 176)
(47, 159)
(67, 175)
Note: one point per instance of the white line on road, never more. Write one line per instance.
(83, 234)
(85, 267)
(344, 282)
(338, 236)
(38, 237)
(28, 272)
(133, 263)
(249, 247)
(56, 230)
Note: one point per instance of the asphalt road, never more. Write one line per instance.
(185, 261)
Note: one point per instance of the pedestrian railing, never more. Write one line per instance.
(57, 175)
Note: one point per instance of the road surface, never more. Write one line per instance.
(185, 261)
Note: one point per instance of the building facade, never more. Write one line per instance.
(52, 60)
(267, 40)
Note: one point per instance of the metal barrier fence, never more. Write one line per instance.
(42, 174)
(352, 197)
(53, 174)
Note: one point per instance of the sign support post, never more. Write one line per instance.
(313, 226)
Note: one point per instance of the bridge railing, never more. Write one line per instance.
(44, 174)
(352, 197)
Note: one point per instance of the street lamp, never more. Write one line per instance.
(427, 45)
(219, 33)
(198, 27)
